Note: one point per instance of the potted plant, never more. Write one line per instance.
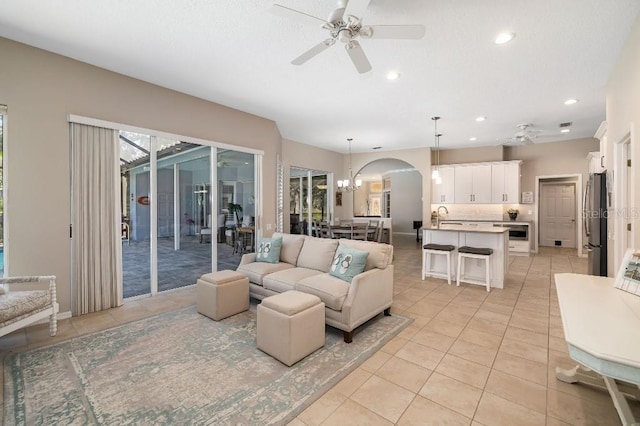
(513, 213)
(235, 209)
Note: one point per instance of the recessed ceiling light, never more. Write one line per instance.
(504, 38)
(565, 130)
(393, 75)
(479, 119)
(570, 101)
(473, 139)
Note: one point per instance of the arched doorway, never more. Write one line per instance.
(390, 188)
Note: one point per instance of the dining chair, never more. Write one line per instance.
(359, 231)
(373, 225)
(324, 230)
(379, 231)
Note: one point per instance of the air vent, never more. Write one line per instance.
(567, 124)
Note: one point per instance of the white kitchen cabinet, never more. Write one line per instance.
(444, 192)
(472, 184)
(505, 182)
(595, 162)
(601, 135)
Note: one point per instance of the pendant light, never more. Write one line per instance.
(350, 184)
(435, 174)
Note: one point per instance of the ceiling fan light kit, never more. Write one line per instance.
(345, 25)
(525, 135)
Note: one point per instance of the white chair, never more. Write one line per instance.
(21, 308)
(481, 253)
(430, 250)
(359, 231)
(379, 232)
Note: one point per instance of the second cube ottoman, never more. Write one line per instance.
(222, 294)
(290, 326)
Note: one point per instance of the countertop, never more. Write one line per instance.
(513, 222)
(465, 228)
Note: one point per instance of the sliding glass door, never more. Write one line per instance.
(309, 200)
(184, 212)
(235, 207)
(176, 224)
(135, 178)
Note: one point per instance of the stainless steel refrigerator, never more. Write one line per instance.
(595, 223)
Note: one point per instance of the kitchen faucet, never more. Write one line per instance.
(438, 215)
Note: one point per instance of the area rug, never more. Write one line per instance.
(178, 368)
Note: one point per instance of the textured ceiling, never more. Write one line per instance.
(236, 53)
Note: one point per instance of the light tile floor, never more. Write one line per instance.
(469, 358)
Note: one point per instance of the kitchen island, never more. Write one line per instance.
(495, 238)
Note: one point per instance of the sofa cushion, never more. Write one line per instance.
(268, 250)
(317, 253)
(282, 281)
(291, 246)
(380, 255)
(257, 270)
(331, 290)
(18, 303)
(348, 262)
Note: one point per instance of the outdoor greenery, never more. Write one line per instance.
(236, 209)
(318, 197)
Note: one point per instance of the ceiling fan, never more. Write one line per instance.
(524, 136)
(345, 25)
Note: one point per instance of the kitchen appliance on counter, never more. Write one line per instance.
(595, 223)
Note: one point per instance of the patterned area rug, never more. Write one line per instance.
(179, 367)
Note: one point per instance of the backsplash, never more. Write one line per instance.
(497, 212)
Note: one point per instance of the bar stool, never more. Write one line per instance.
(428, 250)
(475, 253)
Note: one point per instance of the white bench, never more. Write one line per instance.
(21, 308)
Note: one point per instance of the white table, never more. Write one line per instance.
(602, 328)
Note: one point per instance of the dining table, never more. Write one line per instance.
(345, 230)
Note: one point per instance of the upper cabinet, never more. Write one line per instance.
(444, 192)
(601, 135)
(473, 183)
(478, 183)
(505, 182)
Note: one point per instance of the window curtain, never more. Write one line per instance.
(95, 219)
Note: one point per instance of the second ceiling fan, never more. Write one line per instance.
(345, 25)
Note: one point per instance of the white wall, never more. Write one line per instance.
(405, 206)
(623, 118)
(41, 89)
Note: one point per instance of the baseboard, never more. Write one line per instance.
(59, 316)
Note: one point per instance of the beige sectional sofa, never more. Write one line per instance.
(304, 266)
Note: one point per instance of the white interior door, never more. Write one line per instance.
(557, 215)
(628, 197)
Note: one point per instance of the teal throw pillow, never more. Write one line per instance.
(268, 250)
(348, 262)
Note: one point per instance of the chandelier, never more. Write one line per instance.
(435, 174)
(350, 184)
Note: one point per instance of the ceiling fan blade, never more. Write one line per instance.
(315, 50)
(358, 57)
(356, 8)
(413, 32)
(287, 12)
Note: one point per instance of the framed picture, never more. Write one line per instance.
(338, 198)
